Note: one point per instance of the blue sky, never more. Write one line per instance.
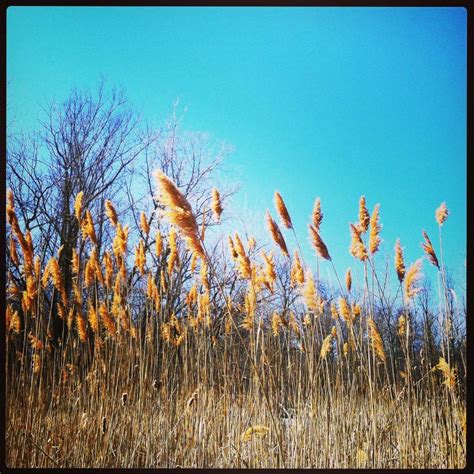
(328, 102)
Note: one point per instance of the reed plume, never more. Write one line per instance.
(158, 244)
(297, 273)
(399, 263)
(109, 270)
(140, 257)
(364, 216)
(233, 251)
(318, 243)
(78, 206)
(93, 319)
(357, 248)
(348, 280)
(412, 276)
(344, 309)
(173, 256)
(258, 430)
(179, 212)
(57, 279)
(81, 327)
(243, 261)
(216, 205)
(448, 373)
(276, 323)
(429, 250)
(326, 346)
(106, 319)
(269, 270)
(313, 300)
(87, 226)
(374, 237)
(276, 234)
(251, 243)
(441, 214)
(376, 339)
(119, 244)
(144, 225)
(15, 323)
(10, 207)
(111, 213)
(402, 321)
(282, 211)
(13, 253)
(317, 215)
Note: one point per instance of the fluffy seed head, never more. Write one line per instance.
(429, 250)
(297, 273)
(412, 276)
(88, 227)
(348, 280)
(326, 346)
(317, 215)
(257, 430)
(276, 234)
(216, 205)
(377, 343)
(144, 226)
(402, 325)
(158, 244)
(374, 237)
(233, 251)
(357, 248)
(282, 211)
(449, 374)
(78, 206)
(399, 263)
(111, 213)
(441, 214)
(318, 243)
(364, 216)
(170, 195)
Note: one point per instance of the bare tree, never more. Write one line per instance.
(86, 144)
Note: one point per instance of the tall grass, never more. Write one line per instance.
(126, 365)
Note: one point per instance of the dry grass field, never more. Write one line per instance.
(115, 359)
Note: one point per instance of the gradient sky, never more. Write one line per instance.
(328, 102)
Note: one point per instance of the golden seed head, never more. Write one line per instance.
(78, 206)
(429, 250)
(448, 373)
(257, 430)
(144, 225)
(348, 280)
(402, 325)
(111, 213)
(216, 205)
(318, 244)
(326, 346)
(441, 214)
(374, 237)
(140, 257)
(364, 216)
(412, 276)
(282, 211)
(357, 247)
(399, 263)
(158, 244)
(317, 215)
(297, 272)
(276, 234)
(377, 343)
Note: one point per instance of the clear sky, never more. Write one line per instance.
(328, 102)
